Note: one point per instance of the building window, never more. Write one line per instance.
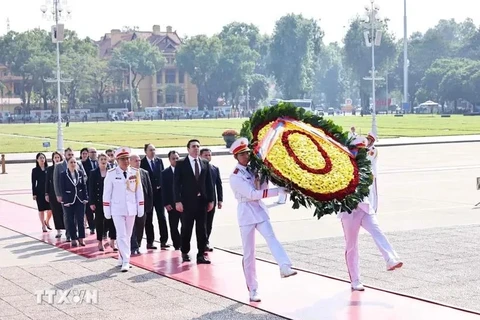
(159, 97)
(181, 76)
(171, 98)
(159, 77)
(181, 98)
(170, 76)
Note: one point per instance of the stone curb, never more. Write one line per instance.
(226, 152)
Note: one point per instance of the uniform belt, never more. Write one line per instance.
(245, 200)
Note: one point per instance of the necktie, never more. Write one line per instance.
(197, 169)
(153, 165)
(125, 174)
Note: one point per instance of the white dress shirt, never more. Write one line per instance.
(192, 163)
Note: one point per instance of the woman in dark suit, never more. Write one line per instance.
(51, 198)
(39, 177)
(74, 198)
(95, 200)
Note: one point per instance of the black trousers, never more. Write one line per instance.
(102, 225)
(137, 234)
(162, 220)
(90, 219)
(173, 221)
(194, 213)
(210, 216)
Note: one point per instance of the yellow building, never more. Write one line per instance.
(10, 89)
(171, 86)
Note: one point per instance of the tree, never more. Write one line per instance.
(199, 56)
(296, 43)
(139, 55)
(329, 76)
(358, 57)
(235, 67)
(18, 52)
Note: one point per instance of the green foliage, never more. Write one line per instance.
(349, 203)
(296, 43)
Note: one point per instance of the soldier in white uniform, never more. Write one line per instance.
(252, 215)
(365, 215)
(122, 202)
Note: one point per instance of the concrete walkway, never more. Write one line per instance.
(222, 150)
(29, 266)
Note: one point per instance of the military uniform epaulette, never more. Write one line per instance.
(109, 170)
(235, 171)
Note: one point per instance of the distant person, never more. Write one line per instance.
(95, 190)
(352, 134)
(57, 172)
(123, 202)
(74, 199)
(174, 217)
(50, 197)
(218, 194)
(194, 197)
(154, 166)
(252, 215)
(39, 178)
(139, 226)
(365, 215)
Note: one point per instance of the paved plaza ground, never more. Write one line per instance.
(427, 194)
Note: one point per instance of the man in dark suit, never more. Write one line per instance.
(139, 226)
(218, 193)
(194, 196)
(169, 201)
(154, 166)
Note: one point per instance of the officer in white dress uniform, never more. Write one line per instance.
(252, 214)
(365, 215)
(122, 202)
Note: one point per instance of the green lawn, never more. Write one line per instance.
(16, 138)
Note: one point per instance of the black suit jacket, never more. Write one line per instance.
(167, 189)
(73, 192)
(217, 184)
(187, 188)
(87, 165)
(147, 190)
(156, 175)
(95, 188)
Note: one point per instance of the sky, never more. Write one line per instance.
(94, 18)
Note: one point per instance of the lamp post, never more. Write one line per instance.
(373, 37)
(58, 12)
(405, 59)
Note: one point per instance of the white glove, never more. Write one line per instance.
(140, 214)
(107, 216)
(283, 191)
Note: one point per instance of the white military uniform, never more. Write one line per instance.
(123, 201)
(252, 214)
(365, 215)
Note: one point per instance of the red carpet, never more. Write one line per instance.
(304, 296)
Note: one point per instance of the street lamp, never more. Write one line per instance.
(373, 37)
(58, 12)
(405, 59)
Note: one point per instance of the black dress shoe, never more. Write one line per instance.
(203, 260)
(185, 258)
(164, 246)
(208, 249)
(151, 246)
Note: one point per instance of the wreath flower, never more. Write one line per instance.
(310, 156)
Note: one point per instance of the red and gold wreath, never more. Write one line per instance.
(310, 156)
